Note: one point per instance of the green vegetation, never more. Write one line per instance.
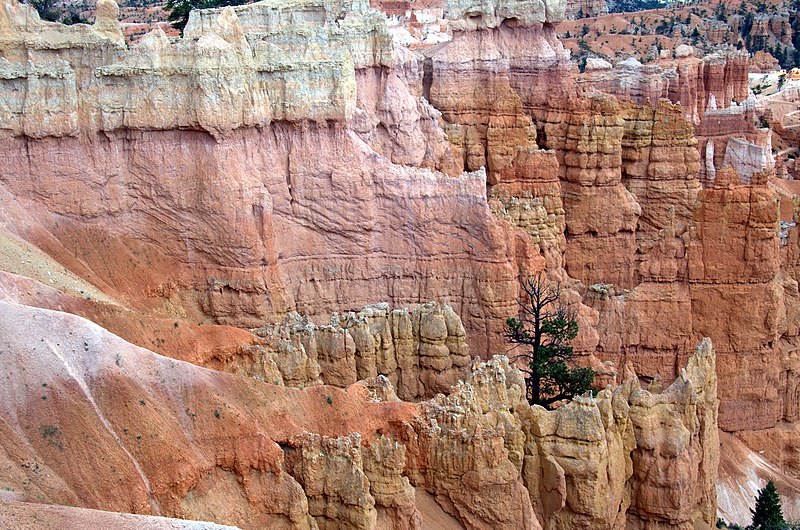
(48, 431)
(53, 11)
(722, 524)
(48, 9)
(787, 56)
(179, 9)
(768, 513)
(623, 6)
(52, 434)
(73, 18)
(544, 329)
(721, 12)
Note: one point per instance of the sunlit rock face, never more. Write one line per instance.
(635, 212)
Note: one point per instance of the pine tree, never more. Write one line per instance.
(48, 9)
(545, 328)
(179, 9)
(768, 514)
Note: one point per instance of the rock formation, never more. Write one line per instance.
(158, 436)
(692, 81)
(660, 284)
(131, 127)
(577, 9)
(421, 352)
(216, 197)
(713, 95)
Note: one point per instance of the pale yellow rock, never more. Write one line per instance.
(467, 450)
(421, 351)
(628, 458)
(384, 463)
(235, 67)
(471, 15)
(332, 474)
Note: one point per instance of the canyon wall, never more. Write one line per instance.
(421, 352)
(193, 184)
(577, 9)
(697, 83)
(713, 93)
(665, 255)
(288, 159)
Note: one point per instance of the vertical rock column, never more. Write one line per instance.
(601, 215)
(736, 292)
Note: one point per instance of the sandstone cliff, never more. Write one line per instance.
(421, 352)
(198, 185)
(286, 159)
(697, 83)
(663, 261)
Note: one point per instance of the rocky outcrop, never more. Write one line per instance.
(729, 137)
(512, 101)
(468, 450)
(713, 81)
(468, 16)
(630, 179)
(165, 85)
(175, 439)
(601, 215)
(332, 475)
(577, 9)
(660, 167)
(287, 159)
(747, 158)
(486, 122)
(696, 279)
(421, 351)
(393, 118)
(767, 28)
(590, 463)
(607, 468)
(713, 95)
(763, 61)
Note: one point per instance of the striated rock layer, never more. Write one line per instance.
(697, 83)
(194, 184)
(286, 158)
(663, 261)
(421, 352)
(713, 94)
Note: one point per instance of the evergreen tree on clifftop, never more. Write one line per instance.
(544, 329)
